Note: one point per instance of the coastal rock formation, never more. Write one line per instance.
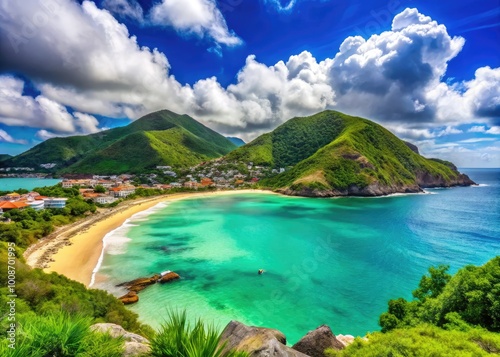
(317, 341)
(257, 341)
(140, 283)
(136, 285)
(129, 298)
(346, 340)
(169, 277)
(135, 345)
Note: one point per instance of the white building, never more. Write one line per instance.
(103, 200)
(54, 202)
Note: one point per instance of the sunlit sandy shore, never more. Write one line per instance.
(78, 258)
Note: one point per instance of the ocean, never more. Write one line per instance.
(12, 184)
(326, 261)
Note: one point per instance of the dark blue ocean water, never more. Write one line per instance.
(327, 261)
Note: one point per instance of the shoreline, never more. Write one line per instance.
(76, 250)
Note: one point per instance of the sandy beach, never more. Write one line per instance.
(74, 250)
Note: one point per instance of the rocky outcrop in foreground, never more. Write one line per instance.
(135, 345)
(136, 285)
(257, 341)
(317, 341)
(265, 342)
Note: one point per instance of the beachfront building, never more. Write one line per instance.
(122, 191)
(103, 200)
(37, 205)
(54, 202)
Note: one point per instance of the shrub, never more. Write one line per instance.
(177, 338)
(63, 336)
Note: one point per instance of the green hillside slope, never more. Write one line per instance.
(160, 138)
(4, 157)
(333, 154)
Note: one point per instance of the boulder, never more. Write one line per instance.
(135, 349)
(129, 298)
(140, 284)
(346, 340)
(317, 341)
(256, 341)
(135, 345)
(169, 277)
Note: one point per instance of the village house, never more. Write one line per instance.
(8, 205)
(191, 184)
(122, 191)
(206, 182)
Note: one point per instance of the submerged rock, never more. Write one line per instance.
(256, 341)
(317, 341)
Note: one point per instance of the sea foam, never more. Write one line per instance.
(116, 241)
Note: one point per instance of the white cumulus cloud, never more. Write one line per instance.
(199, 17)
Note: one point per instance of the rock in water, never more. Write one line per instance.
(316, 342)
(129, 298)
(169, 277)
(141, 283)
(256, 341)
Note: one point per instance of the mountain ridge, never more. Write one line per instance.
(333, 154)
(159, 138)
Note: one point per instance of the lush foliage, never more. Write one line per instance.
(28, 225)
(331, 150)
(177, 338)
(39, 293)
(451, 316)
(424, 340)
(160, 138)
(61, 335)
(470, 297)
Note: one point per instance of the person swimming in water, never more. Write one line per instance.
(261, 271)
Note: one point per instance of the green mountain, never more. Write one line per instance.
(4, 157)
(333, 154)
(160, 138)
(236, 141)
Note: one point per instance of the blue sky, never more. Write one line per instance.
(429, 72)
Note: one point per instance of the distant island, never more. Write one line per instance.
(324, 155)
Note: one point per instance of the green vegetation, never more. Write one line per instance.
(470, 298)
(62, 335)
(424, 340)
(160, 138)
(41, 294)
(177, 338)
(334, 151)
(4, 157)
(28, 225)
(451, 316)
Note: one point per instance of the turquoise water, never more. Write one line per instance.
(12, 184)
(327, 261)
